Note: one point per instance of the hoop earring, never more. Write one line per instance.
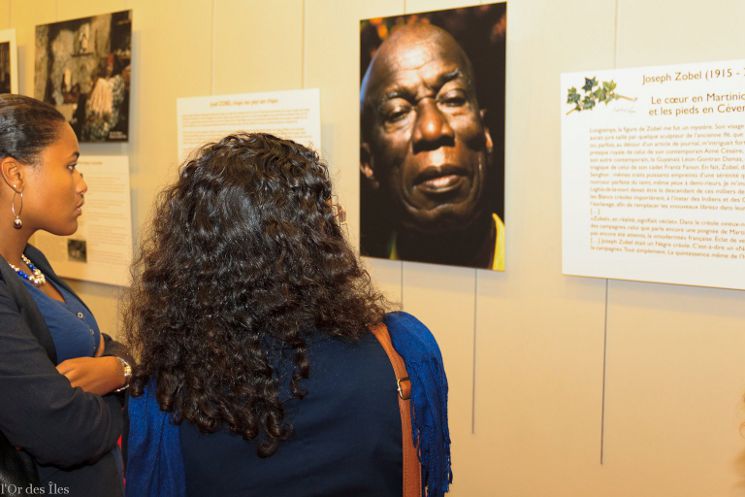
(17, 223)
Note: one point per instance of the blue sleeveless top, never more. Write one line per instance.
(74, 330)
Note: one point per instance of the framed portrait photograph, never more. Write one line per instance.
(432, 99)
(83, 68)
(8, 61)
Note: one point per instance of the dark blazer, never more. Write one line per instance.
(70, 434)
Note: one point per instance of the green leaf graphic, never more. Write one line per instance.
(594, 92)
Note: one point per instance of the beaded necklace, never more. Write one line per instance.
(36, 277)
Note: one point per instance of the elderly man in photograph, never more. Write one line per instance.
(426, 153)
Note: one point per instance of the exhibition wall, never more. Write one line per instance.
(560, 386)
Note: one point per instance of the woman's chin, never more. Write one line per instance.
(63, 230)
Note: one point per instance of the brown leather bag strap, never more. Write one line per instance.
(412, 470)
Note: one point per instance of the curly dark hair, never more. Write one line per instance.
(244, 260)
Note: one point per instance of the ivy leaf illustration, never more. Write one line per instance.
(590, 84)
(594, 92)
(572, 96)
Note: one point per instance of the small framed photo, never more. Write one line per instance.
(8, 61)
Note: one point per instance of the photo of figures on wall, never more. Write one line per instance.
(8, 62)
(432, 137)
(83, 68)
(5, 67)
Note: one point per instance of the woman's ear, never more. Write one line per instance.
(11, 171)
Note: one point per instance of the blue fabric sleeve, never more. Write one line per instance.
(155, 465)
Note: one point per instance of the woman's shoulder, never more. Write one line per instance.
(402, 321)
(410, 337)
(11, 287)
(10, 284)
(332, 349)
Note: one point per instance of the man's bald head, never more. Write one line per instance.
(412, 44)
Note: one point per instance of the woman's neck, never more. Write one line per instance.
(12, 243)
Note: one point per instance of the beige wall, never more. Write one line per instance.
(524, 349)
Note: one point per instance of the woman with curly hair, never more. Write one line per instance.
(250, 315)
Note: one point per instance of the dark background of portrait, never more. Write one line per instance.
(481, 32)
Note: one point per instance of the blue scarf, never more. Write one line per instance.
(429, 398)
(155, 466)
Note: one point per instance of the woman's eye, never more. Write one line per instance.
(72, 167)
